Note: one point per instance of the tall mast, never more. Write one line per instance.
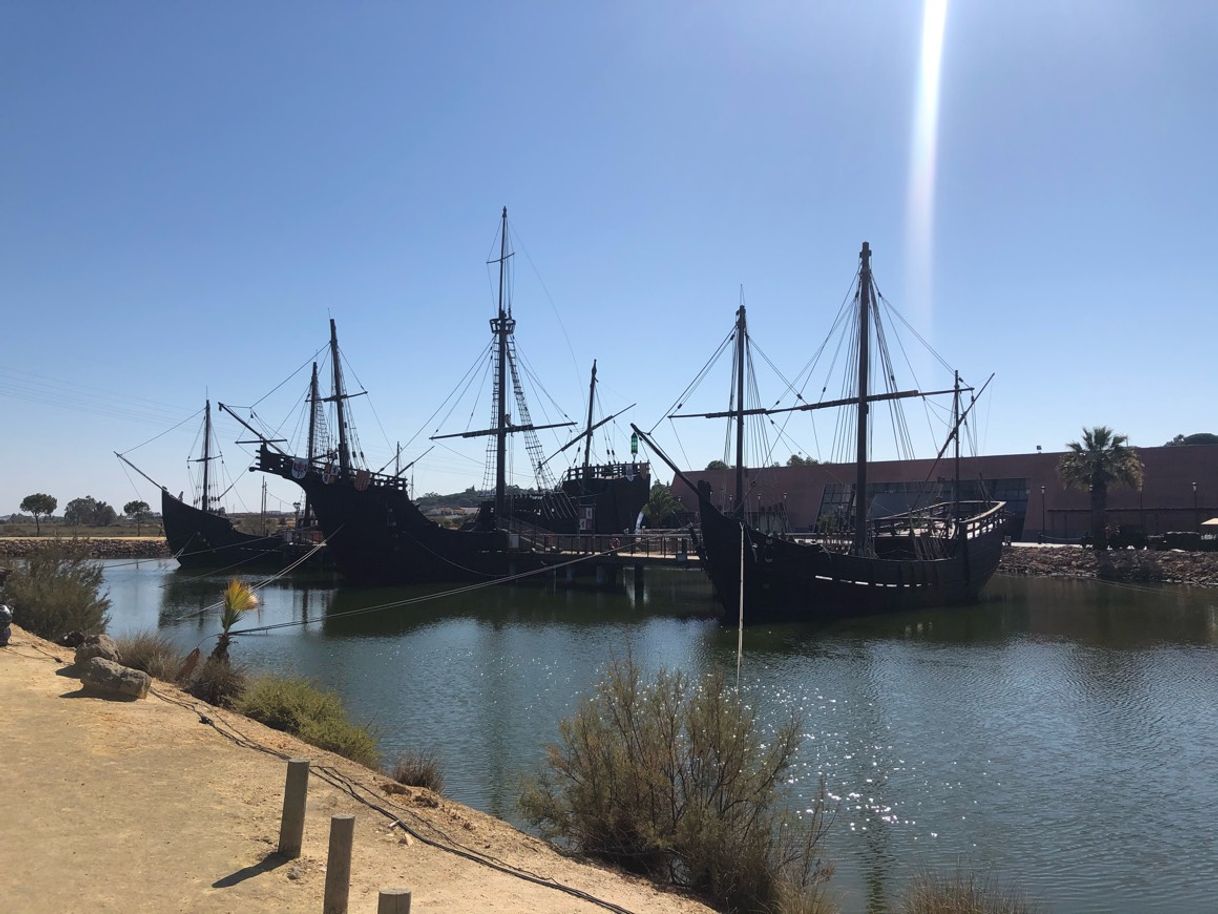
(956, 435)
(207, 456)
(741, 334)
(314, 400)
(502, 326)
(860, 486)
(344, 454)
(588, 430)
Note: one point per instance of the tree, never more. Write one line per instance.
(663, 509)
(90, 512)
(717, 465)
(39, 504)
(796, 461)
(137, 511)
(1198, 438)
(1102, 459)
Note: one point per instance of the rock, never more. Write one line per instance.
(102, 646)
(110, 678)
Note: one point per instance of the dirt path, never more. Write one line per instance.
(139, 808)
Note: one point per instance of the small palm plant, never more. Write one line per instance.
(238, 598)
(1102, 459)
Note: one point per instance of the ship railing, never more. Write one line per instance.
(606, 471)
(675, 545)
(282, 465)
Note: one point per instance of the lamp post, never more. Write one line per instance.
(1042, 511)
(1196, 512)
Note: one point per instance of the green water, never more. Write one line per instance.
(1061, 735)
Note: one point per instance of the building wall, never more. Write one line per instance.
(1165, 503)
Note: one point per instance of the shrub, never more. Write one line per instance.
(58, 590)
(151, 652)
(220, 683)
(962, 893)
(298, 707)
(419, 769)
(672, 779)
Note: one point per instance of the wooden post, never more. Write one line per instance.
(338, 865)
(393, 901)
(295, 792)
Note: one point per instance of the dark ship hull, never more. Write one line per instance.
(200, 539)
(375, 535)
(786, 580)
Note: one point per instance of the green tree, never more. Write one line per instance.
(1102, 459)
(796, 461)
(137, 511)
(717, 465)
(663, 509)
(90, 512)
(39, 504)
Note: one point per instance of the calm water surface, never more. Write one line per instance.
(1063, 735)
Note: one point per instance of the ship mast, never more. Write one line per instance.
(741, 336)
(588, 429)
(207, 456)
(502, 326)
(344, 453)
(860, 486)
(314, 400)
(956, 435)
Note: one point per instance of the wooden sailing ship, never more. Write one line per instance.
(375, 532)
(933, 555)
(201, 535)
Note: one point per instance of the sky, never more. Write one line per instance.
(190, 190)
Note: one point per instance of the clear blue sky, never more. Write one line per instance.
(191, 189)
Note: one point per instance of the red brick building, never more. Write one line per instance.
(1180, 490)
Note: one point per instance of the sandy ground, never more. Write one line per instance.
(140, 807)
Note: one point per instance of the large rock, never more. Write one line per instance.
(102, 646)
(109, 678)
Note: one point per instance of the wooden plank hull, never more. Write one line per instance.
(378, 536)
(199, 539)
(790, 581)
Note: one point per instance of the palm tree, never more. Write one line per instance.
(1102, 459)
(238, 597)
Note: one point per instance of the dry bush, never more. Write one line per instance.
(58, 590)
(298, 707)
(962, 893)
(151, 652)
(218, 682)
(419, 769)
(673, 779)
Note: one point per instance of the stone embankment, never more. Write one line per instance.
(100, 547)
(1141, 565)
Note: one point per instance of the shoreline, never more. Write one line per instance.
(100, 547)
(1141, 566)
(175, 805)
(1134, 566)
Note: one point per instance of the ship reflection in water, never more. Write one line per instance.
(1052, 734)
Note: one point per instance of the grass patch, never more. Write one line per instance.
(963, 893)
(419, 769)
(151, 652)
(220, 683)
(58, 590)
(674, 779)
(298, 707)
